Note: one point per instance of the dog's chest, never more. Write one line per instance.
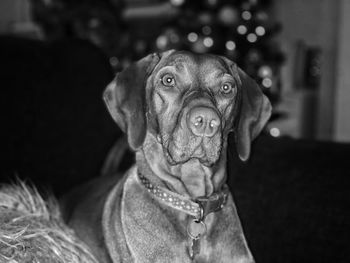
(151, 234)
(155, 233)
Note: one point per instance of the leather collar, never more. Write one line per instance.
(199, 207)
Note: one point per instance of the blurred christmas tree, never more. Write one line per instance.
(242, 30)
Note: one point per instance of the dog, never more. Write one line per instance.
(177, 109)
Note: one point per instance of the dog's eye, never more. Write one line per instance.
(226, 88)
(168, 80)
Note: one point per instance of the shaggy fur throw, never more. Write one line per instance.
(32, 230)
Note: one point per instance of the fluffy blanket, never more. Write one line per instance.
(32, 229)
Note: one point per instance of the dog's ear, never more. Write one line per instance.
(255, 112)
(125, 99)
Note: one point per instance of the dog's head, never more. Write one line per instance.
(190, 103)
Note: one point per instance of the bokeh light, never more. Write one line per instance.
(230, 45)
(242, 29)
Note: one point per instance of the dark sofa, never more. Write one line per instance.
(292, 195)
(293, 199)
(55, 129)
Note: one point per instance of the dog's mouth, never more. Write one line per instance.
(183, 146)
(207, 157)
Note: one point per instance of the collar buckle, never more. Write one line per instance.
(212, 203)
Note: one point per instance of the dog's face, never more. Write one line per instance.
(190, 103)
(192, 99)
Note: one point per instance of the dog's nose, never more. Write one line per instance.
(203, 121)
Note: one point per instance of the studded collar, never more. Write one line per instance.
(198, 208)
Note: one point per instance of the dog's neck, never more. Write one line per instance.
(191, 179)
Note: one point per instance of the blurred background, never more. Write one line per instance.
(295, 49)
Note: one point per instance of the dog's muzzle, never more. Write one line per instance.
(197, 135)
(203, 121)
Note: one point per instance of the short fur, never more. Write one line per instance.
(119, 219)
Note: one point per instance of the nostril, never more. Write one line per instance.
(214, 123)
(198, 121)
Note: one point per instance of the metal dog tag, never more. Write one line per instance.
(196, 229)
(194, 248)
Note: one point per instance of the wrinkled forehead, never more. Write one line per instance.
(204, 66)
